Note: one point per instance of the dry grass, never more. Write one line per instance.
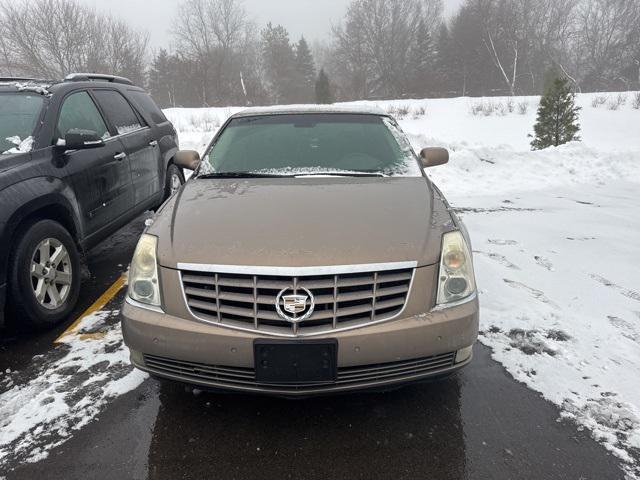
(617, 102)
(599, 100)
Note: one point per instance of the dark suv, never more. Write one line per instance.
(78, 159)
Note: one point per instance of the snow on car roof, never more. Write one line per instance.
(302, 109)
(40, 87)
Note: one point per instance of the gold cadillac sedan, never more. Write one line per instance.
(309, 254)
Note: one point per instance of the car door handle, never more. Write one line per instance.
(120, 156)
(153, 143)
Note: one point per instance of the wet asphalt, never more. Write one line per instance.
(478, 424)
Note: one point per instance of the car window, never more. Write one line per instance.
(144, 102)
(314, 143)
(79, 112)
(118, 111)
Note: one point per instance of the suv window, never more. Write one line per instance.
(118, 111)
(144, 102)
(19, 113)
(79, 111)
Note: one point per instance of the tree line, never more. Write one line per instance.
(380, 49)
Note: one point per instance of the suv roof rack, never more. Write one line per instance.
(92, 77)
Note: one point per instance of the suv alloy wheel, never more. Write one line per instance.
(45, 275)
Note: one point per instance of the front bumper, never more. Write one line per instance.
(402, 350)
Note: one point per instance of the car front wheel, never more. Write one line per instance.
(45, 276)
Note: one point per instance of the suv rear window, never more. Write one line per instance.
(144, 102)
(118, 111)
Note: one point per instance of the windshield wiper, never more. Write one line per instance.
(341, 174)
(242, 175)
(295, 175)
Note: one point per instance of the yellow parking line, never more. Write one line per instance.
(97, 305)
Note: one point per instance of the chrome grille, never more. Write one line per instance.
(350, 376)
(341, 300)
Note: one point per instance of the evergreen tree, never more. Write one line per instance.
(280, 63)
(306, 71)
(557, 121)
(160, 85)
(423, 58)
(323, 88)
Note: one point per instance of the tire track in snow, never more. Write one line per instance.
(623, 291)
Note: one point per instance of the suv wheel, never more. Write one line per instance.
(44, 276)
(174, 180)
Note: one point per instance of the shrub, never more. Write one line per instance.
(598, 100)
(636, 101)
(402, 111)
(419, 112)
(523, 108)
(617, 102)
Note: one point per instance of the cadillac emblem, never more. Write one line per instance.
(294, 307)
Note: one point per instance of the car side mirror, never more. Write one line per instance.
(434, 156)
(189, 159)
(77, 139)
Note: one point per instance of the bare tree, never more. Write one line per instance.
(374, 42)
(209, 32)
(433, 15)
(509, 80)
(51, 38)
(608, 35)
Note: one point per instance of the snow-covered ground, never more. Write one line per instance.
(65, 391)
(556, 235)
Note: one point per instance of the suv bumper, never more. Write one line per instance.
(378, 356)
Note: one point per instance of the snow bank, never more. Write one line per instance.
(452, 124)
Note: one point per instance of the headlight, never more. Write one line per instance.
(144, 285)
(456, 280)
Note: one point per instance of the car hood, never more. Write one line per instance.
(302, 222)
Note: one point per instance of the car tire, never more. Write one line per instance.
(44, 276)
(174, 180)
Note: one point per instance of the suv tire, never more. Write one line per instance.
(44, 275)
(174, 180)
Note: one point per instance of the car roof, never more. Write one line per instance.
(311, 109)
(71, 82)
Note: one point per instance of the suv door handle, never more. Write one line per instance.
(153, 143)
(120, 156)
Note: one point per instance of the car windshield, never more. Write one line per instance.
(19, 113)
(312, 144)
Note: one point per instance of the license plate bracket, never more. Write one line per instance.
(295, 362)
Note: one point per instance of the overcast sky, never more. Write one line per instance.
(313, 18)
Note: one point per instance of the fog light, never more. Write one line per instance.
(143, 288)
(136, 357)
(464, 354)
(456, 285)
